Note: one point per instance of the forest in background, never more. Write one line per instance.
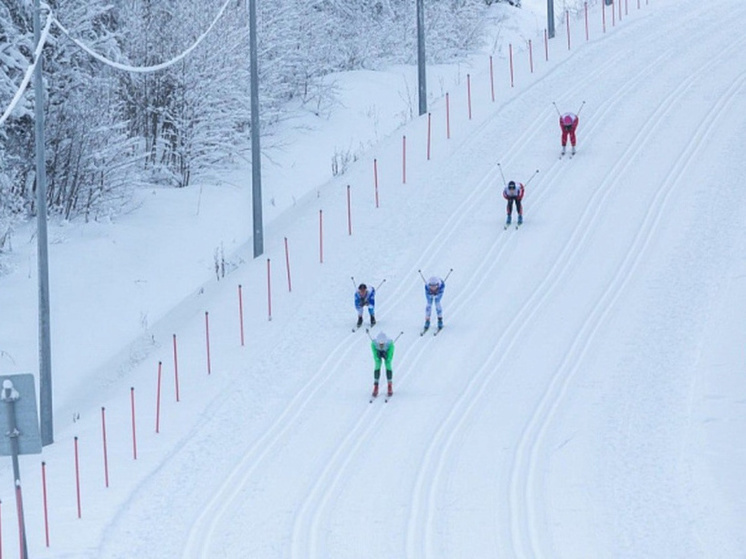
(109, 130)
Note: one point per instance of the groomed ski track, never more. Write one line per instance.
(492, 441)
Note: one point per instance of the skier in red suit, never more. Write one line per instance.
(568, 123)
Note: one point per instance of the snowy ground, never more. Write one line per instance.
(586, 398)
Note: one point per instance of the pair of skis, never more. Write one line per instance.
(517, 225)
(435, 332)
(385, 400)
(571, 154)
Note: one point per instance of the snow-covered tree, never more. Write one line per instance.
(105, 126)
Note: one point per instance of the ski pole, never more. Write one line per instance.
(380, 284)
(532, 177)
(501, 173)
(367, 331)
(580, 109)
(556, 108)
(353, 281)
(444, 279)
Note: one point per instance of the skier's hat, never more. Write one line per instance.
(511, 185)
(381, 338)
(362, 287)
(433, 281)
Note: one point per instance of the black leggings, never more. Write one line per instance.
(518, 206)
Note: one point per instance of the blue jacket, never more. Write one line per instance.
(369, 299)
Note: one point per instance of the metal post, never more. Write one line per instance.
(256, 173)
(550, 18)
(421, 75)
(10, 395)
(45, 345)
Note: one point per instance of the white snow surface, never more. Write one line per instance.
(586, 398)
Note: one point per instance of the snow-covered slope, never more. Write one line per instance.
(585, 399)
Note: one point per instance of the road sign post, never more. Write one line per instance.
(20, 425)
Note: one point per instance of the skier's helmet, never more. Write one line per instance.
(567, 120)
(381, 339)
(433, 282)
(362, 287)
(511, 185)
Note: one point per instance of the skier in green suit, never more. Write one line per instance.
(383, 351)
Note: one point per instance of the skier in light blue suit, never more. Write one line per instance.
(434, 289)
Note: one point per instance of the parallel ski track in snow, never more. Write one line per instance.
(304, 540)
(524, 472)
(308, 522)
(526, 538)
(308, 525)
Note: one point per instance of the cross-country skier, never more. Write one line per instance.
(568, 123)
(365, 297)
(383, 352)
(513, 193)
(434, 289)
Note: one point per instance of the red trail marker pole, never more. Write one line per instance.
(510, 51)
(287, 265)
(321, 236)
(176, 369)
(468, 92)
(349, 212)
(448, 117)
(429, 126)
(375, 179)
(134, 430)
(585, 9)
(46, 506)
(492, 80)
(157, 401)
(77, 477)
(240, 312)
(106, 453)
(269, 290)
(207, 341)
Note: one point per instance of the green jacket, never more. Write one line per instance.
(386, 354)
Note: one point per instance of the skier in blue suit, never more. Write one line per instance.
(365, 297)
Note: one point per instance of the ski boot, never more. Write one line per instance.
(390, 391)
(510, 218)
(563, 150)
(359, 321)
(573, 150)
(375, 390)
(427, 324)
(440, 322)
(520, 219)
(372, 320)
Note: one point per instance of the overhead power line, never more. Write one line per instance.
(51, 19)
